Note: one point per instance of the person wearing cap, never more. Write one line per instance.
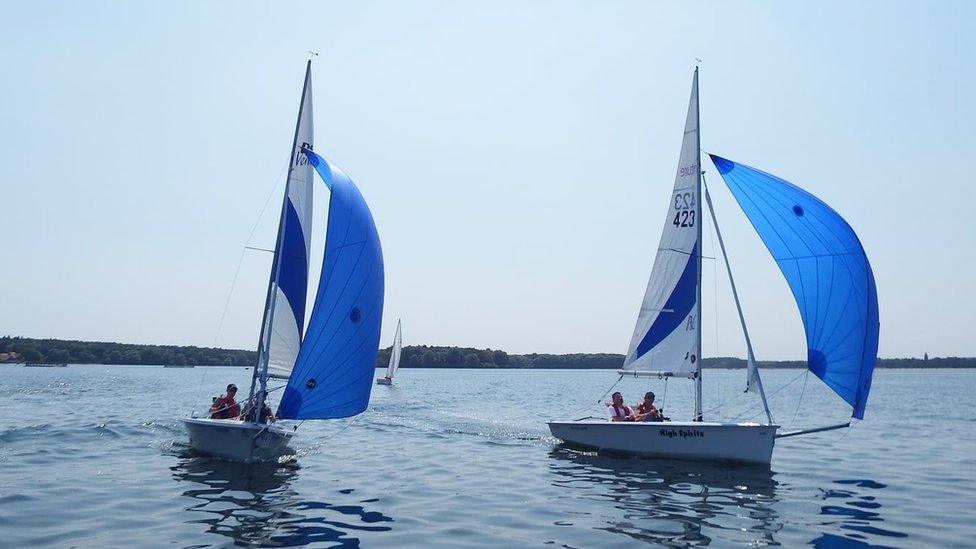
(226, 407)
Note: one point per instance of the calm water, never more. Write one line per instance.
(96, 456)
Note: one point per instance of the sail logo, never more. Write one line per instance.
(688, 170)
(300, 158)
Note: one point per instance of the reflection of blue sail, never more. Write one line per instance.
(827, 270)
(332, 377)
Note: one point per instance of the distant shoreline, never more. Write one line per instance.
(58, 351)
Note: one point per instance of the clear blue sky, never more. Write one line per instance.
(518, 158)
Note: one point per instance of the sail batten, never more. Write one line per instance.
(827, 270)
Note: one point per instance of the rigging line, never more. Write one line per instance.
(247, 243)
(799, 400)
(255, 248)
(600, 400)
(664, 398)
(711, 243)
(724, 402)
(340, 431)
(771, 395)
(237, 272)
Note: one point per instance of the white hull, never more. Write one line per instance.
(741, 442)
(384, 381)
(236, 440)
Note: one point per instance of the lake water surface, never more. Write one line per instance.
(96, 456)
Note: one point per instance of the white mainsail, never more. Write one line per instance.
(666, 337)
(395, 353)
(284, 317)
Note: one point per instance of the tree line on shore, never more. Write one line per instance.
(59, 351)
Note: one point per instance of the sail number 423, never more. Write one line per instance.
(684, 206)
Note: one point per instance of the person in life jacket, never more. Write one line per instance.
(618, 410)
(226, 407)
(646, 410)
(267, 416)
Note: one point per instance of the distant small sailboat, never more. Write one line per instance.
(394, 359)
(826, 268)
(328, 365)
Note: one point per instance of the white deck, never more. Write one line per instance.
(236, 440)
(742, 442)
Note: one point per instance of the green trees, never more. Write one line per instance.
(415, 356)
(95, 352)
(31, 355)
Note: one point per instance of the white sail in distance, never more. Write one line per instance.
(395, 353)
(666, 338)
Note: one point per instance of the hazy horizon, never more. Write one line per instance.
(518, 160)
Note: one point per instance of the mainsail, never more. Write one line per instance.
(332, 377)
(666, 337)
(395, 353)
(827, 270)
(284, 315)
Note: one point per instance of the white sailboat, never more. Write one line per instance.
(327, 365)
(827, 270)
(394, 359)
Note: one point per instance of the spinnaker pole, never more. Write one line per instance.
(753, 368)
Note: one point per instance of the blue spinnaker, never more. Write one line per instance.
(333, 375)
(827, 270)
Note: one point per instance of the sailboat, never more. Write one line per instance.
(328, 364)
(829, 275)
(394, 359)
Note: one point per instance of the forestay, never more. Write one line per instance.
(284, 317)
(395, 353)
(332, 377)
(827, 270)
(666, 334)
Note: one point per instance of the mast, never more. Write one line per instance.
(698, 300)
(260, 375)
(753, 368)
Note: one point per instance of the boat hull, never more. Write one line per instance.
(739, 442)
(236, 440)
(384, 381)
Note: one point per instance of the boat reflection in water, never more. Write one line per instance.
(855, 510)
(681, 503)
(671, 503)
(256, 505)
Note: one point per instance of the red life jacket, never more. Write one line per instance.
(225, 408)
(620, 412)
